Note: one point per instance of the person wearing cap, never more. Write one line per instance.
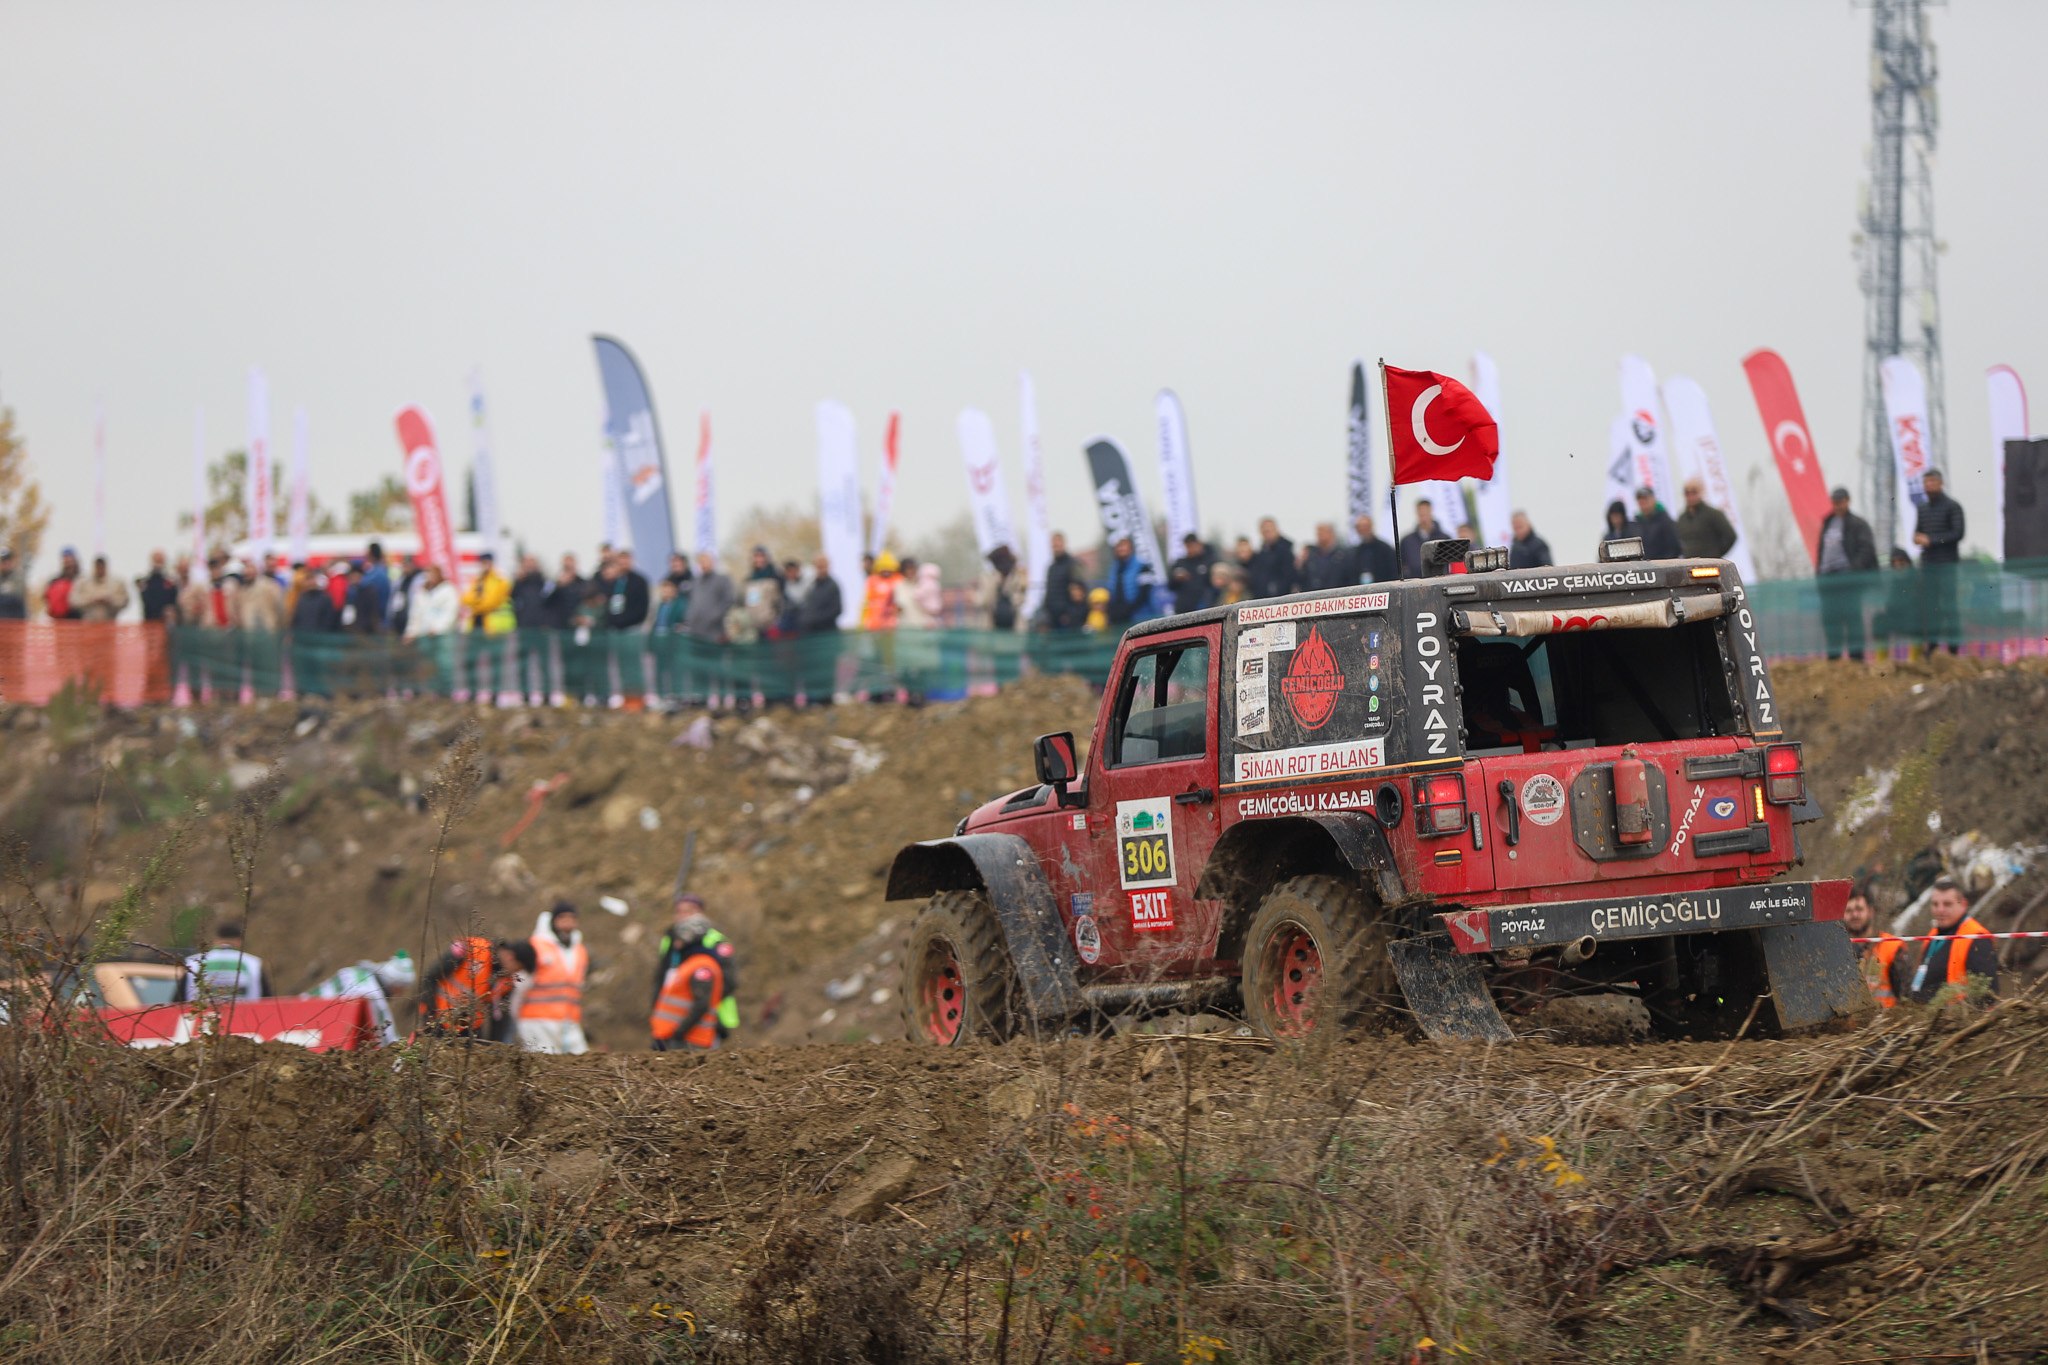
(692, 932)
(551, 1007)
(1938, 531)
(13, 586)
(1847, 549)
(1956, 952)
(1654, 525)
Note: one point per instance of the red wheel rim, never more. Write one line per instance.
(1295, 967)
(941, 995)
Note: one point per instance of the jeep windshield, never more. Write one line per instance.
(1581, 689)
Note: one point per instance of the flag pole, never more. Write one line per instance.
(1393, 507)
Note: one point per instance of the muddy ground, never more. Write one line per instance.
(1876, 1195)
(1854, 1197)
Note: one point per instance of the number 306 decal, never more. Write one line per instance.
(1144, 841)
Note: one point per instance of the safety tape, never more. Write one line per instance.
(1931, 938)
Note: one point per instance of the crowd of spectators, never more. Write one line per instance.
(771, 601)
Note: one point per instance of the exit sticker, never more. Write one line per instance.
(1151, 910)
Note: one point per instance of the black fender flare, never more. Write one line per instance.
(1005, 867)
(1254, 855)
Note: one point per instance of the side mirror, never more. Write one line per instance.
(1053, 756)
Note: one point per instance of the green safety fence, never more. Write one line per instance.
(1979, 608)
(600, 665)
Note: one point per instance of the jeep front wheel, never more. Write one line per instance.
(957, 983)
(1315, 959)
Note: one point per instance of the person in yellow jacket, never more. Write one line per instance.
(487, 612)
(685, 1017)
(551, 1005)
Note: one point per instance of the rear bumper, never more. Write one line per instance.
(1710, 911)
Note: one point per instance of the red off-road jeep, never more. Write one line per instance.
(1453, 797)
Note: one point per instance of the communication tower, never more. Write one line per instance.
(1897, 249)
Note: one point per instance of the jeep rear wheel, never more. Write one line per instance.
(1315, 959)
(957, 983)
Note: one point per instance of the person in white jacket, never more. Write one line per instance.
(436, 606)
(435, 614)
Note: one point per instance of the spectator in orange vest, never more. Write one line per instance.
(685, 1017)
(1875, 959)
(1955, 953)
(551, 1007)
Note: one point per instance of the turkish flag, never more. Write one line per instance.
(1437, 428)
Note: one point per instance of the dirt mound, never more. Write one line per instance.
(1864, 1195)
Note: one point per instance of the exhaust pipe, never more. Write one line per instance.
(1579, 950)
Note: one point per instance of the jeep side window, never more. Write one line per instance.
(1162, 707)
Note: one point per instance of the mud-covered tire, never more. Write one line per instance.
(958, 983)
(1315, 960)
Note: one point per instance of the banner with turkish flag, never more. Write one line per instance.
(1777, 402)
(1436, 427)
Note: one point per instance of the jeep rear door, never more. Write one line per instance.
(1152, 810)
(1606, 754)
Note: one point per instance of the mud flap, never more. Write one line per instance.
(1813, 975)
(1446, 991)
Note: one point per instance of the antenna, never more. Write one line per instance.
(1897, 248)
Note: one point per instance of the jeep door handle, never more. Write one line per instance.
(1507, 794)
(1200, 796)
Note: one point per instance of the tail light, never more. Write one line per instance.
(1440, 804)
(1784, 775)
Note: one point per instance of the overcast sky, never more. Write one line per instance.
(900, 206)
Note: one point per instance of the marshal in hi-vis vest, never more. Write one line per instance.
(462, 999)
(672, 1007)
(557, 988)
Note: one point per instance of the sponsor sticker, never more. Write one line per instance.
(1314, 760)
(1608, 579)
(1080, 820)
(1543, 800)
(1320, 606)
(1144, 841)
(1313, 682)
(1252, 694)
(1087, 938)
(1302, 803)
(1151, 910)
(1255, 644)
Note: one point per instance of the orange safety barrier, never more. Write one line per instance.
(123, 662)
